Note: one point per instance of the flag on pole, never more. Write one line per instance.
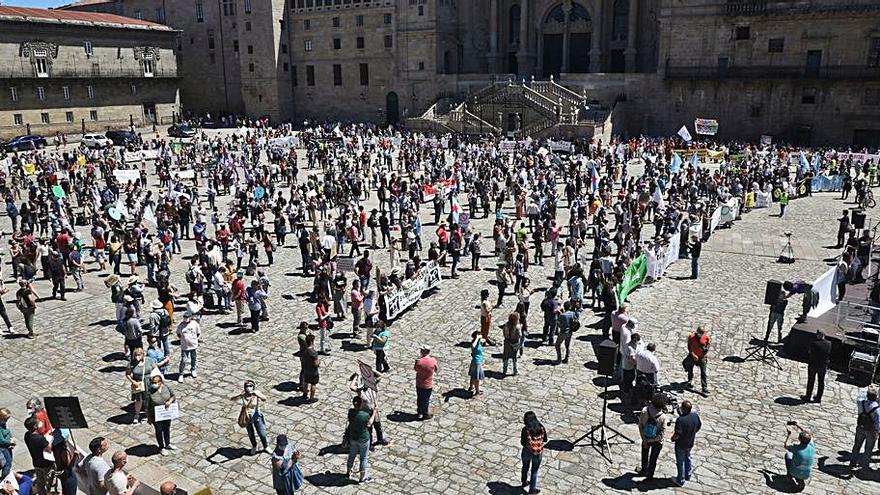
(817, 161)
(150, 217)
(594, 179)
(657, 197)
(684, 133)
(695, 160)
(632, 278)
(675, 166)
(456, 209)
(805, 165)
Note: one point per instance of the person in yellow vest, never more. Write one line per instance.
(783, 202)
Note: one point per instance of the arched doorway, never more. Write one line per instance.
(566, 39)
(392, 111)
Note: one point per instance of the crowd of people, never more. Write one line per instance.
(253, 191)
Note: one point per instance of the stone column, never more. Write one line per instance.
(523, 55)
(566, 32)
(539, 56)
(493, 37)
(631, 35)
(596, 38)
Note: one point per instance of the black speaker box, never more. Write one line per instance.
(605, 354)
(771, 294)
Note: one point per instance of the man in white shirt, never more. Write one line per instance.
(188, 332)
(117, 481)
(648, 365)
(96, 467)
(628, 354)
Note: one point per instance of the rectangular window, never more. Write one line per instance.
(814, 62)
(41, 93)
(200, 11)
(874, 52)
(247, 25)
(388, 40)
(421, 10)
(307, 24)
(776, 45)
(308, 44)
(283, 47)
(68, 116)
(387, 19)
(742, 33)
(93, 115)
(44, 118)
(247, 6)
(250, 49)
(228, 7)
(872, 97)
(358, 20)
(250, 67)
(148, 65)
(421, 66)
(336, 22)
(90, 91)
(293, 76)
(17, 120)
(13, 94)
(286, 67)
(87, 46)
(210, 39)
(212, 58)
(310, 75)
(365, 74)
(134, 89)
(337, 75)
(360, 41)
(337, 43)
(235, 46)
(41, 65)
(808, 97)
(66, 92)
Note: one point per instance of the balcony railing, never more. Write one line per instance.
(774, 72)
(746, 7)
(8, 72)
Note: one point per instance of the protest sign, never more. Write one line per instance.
(410, 291)
(706, 127)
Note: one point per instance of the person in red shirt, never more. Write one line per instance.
(698, 350)
(425, 367)
(238, 289)
(223, 238)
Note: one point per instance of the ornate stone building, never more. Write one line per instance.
(69, 71)
(801, 70)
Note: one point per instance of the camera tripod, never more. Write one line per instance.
(598, 435)
(787, 254)
(762, 352)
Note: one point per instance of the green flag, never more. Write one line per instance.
(632, 278)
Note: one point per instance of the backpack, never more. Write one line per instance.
(651, 428)
(191, 276)
(535, 444)
(865, 421)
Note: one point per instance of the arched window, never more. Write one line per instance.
(619, 22)
(514, 24)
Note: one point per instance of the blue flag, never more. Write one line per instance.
(817, 162)
(675, 166)
(805, 165)
(695, 161)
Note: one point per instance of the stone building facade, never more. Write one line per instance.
(801, 70)
(72, 71)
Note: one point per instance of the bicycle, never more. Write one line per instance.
(868, 200)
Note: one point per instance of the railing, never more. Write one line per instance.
(746, 7)
(549, 106)
(774, 72)
(9, 72)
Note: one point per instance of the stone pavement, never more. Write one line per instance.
(471, 445)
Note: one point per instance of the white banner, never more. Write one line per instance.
(858, 157)
(136, 156)
(762, 199)
(507, 146)
(563, 146)
(410, 291)
(659, 260)
(184, 174)
(126, 176)
(285, 142)
(826, 290)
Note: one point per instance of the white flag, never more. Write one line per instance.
(683, 132)
(657, 197)
(150, 217)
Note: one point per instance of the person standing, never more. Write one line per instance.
(696, 250)
(686, 427)
(843, 224)
(783, 202)
(777, 316)
(567, 321)
(799, 456)
(698, 352)
(357, 304)
(381, 337)
(309, 363)
(255, 297)
(26, 302)
(551, 308)
(188, 331)
(425, 368)
(475, 371)
(358, 432)
(37, 446)
(286, 475)
(485, 315)
(652, 425)
(117, 481)
(251, 398)
(238, 290)
(7, 444)
(867, 429)
(512, 332)
(817, 366)
(628, 365)
(95, 467)
(160, 395)
(532, 439)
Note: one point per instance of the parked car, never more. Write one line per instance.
(181, 131)
(121, 138)
(96, 141)
(25, 142)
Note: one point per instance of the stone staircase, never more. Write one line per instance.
(518, 108)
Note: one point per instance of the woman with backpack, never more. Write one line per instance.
(652, 425)
(532, 439)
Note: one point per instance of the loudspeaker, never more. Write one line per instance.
(858, 219)
(771, 294)
(605, 354)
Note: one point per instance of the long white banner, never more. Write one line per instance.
(826, 289)
(410, 291)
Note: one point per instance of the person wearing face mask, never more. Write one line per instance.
(250, 406)
(36, 409)
(158, 395)
(38, 445)
(138, 376)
